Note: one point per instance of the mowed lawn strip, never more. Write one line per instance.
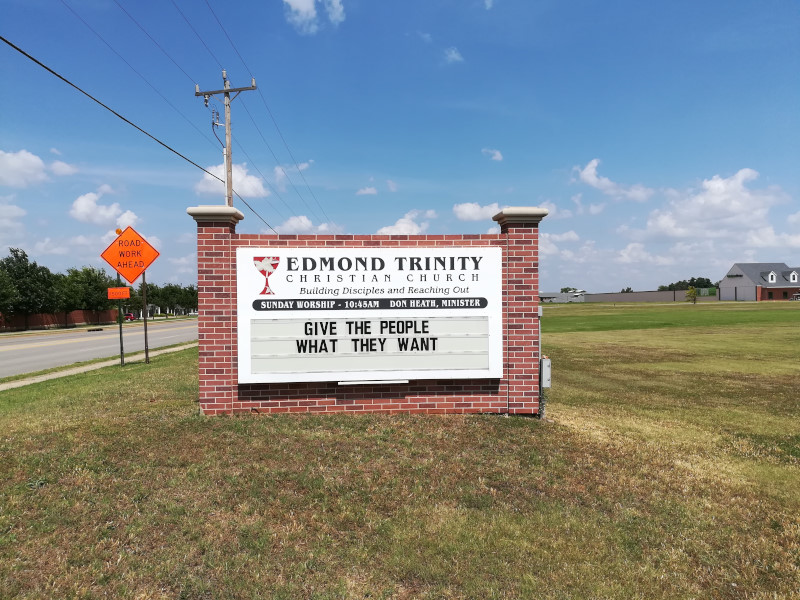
(658, 478)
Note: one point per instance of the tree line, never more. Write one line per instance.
(27, 288)
(685, 284)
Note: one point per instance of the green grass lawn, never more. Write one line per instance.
(671, 469)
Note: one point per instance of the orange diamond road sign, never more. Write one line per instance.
(121, 293)
(130, 254)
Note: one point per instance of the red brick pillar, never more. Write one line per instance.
(216, 288)
(520, 226)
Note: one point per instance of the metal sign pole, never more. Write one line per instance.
(119, 318)
(144, 302)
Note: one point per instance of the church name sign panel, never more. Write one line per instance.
(379, 314)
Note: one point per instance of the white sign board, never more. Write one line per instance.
(361, 314)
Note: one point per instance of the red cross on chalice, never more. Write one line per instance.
(266, 265)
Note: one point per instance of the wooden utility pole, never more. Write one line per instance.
(226, 92)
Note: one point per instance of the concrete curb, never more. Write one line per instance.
(136, 357)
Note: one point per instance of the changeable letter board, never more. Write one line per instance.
(352, 314)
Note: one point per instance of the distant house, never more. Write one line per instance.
(760, 281)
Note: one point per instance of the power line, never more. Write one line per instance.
(190, 78)
(279, 164)
(128, 121)
(294, 160)
(132, 68)
(235, 193)
(122, 8)
(198, 35)
(227, 36)
(275, 191)
(274, 122)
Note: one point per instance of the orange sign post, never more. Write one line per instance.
(130, 254)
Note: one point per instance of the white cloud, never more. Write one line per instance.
(425, 37)
(567, 236)
(452, 55)
(300, 225)
(472, 211)
(596, 209)
(409, 224)
(58, 167)
(554, 212)
(184, 264)
(247, 186)
(723, 208)
(794, 219)
(493, 154)
(766, 237)
(11, 228)
(488, 4)
(86, 209)
(281, 173)
(55, 151)
(21, 169)
(335, 11)
(548, 247)
(302, 14)
(367, 191)
(127, 219)
(392, 185)
(494, 229)
(48, 246)
(153, 240)
(108, 237)
(82, 240)
(635, 253)
(589, 176)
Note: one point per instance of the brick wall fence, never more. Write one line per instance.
(517, 392)
(48, 321)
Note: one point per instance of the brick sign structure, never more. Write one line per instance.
(398, 323)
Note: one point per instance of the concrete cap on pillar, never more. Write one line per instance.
(520, 214)
(215, 214)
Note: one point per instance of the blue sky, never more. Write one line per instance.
(663, 137)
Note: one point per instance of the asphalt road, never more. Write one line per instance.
(30, 352)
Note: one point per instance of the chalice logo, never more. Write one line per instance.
(266, 265)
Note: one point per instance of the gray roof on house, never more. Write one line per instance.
(758, 273)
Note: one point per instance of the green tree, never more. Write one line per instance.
(685, 284)
(567, 290)
(93, 285)
(34, 285)
(627, 290)
(189, 298)
(68, 294)
(8, 293)
(170, 297)
(153, 297)
(691, 295)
